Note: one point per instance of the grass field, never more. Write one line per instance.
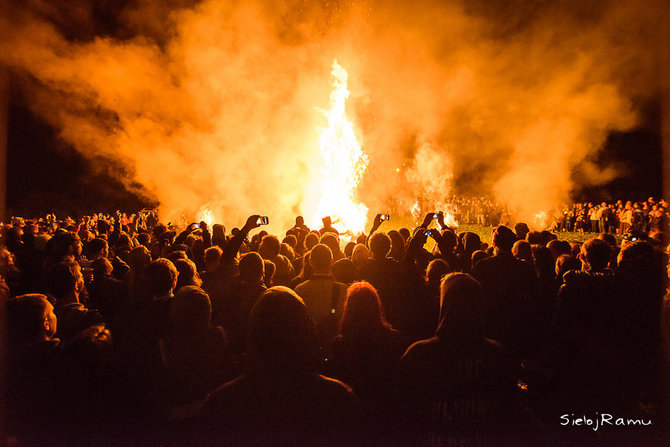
(484, 232)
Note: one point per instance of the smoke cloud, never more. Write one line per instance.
(215, 104)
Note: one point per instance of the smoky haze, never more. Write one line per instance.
(215, 104)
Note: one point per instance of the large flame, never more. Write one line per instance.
(343, 164)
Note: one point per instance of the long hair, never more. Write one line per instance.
(362, 311)
(461, 300)
(281, 336)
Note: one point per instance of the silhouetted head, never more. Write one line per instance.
(30, 318)
(218, 235)
(251, 267)
(321, 258)
(213, 258)
(521, 230)
(461, 300)
(544, 263)
(281, 336)
(595, 255)
(637, 254)
(362, 313)
(565, 263)
(190, 311)
(471, 243)
(478, 255)
(65, 279)
(380, 245)
(188, 273)
(139, 257)
(331, 240)
(397, 245)
(290, 240)
(269, 247)
(609, 238)
(436, 270)
(311, 240)
(521, 250)
(101, 268)
(162, 277)
(449, 240)
(360, 255)
(503, 238)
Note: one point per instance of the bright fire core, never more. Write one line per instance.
(343, 163)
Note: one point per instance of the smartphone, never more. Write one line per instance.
(384, 217)
(196, 226)
(263, 220)
(428, 232)
(435, 215)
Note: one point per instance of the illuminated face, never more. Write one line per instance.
(6, 258)
(50, 320)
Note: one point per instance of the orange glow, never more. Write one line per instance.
(450, 220)
(343, 163)
(541, 219)
(416, 211)
(205, 216)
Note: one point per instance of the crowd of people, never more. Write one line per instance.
(122, 331)
(618, 217)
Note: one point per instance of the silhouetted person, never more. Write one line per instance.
(385, 275)
(269, 249)
(66, 283)
(458, 387)
(34, 357)
(233, 313)
(281, 399)
(195, 354)
(323, 296)
(365, 354)
(509, 286)
(588, 322)
(327, 226)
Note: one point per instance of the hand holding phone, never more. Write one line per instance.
(428, 219)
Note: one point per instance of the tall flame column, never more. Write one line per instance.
(343, 163)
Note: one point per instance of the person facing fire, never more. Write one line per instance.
(457, 387)
(327, 226)
(509, 284)
(323, 296)
(281, 398)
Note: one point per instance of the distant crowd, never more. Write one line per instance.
(618, 217)
(121, 330)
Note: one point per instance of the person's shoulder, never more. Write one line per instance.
(221, 396)
(483, 264)
(419, 348)
(302, 286)
(336, 390)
